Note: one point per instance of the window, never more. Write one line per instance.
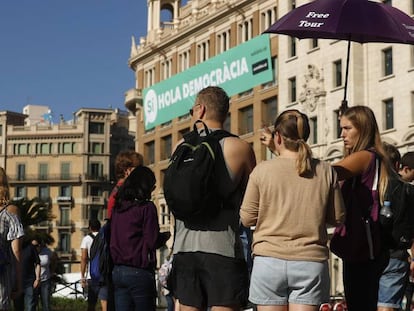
(96, 128)
(245, 30)
(337, 124)
(20, 192)
(44, 148)
(387, 61)
(96, 191)
(292, 47)
(1, 130)
(389, 113)
(64, 242)
(96, 148)
(166, 147)
(149, 77)
(223, 42)
(292, 90)
(268, 18)
(65, 170)
(21, 149)
(166, 69)
(184, 60)
(21, 171)
(337, 67)
(96, 212)
(388, 2)
(314, 43)
(43, 192)
(96, 170)
(275, 72)
(269, 111)
(313, 123)
(43, 171)
(203, 51)
(246, 118)
(149, 152)
(65, 216)
(67, 148)
(65, 191)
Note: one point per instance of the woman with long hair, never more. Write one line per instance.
(364, 158)
(291, 199)
(134, 236)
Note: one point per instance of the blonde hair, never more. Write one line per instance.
(293, 126)
(363, 119)
(4, 188)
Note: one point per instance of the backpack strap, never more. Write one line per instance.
(92, 235)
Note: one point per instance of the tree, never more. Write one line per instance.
(32, 213)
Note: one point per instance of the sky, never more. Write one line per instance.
(67, 54)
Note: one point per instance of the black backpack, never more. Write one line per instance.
(399, 230)
(100, 261)
(196, 182)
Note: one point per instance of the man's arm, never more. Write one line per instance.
(84, 263)
(17, 254)
(239, 158)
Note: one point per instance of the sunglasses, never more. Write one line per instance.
(191, 111)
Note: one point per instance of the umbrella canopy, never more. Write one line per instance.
(352, 20)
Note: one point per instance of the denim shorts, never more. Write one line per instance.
(280, 282)
(392, 284)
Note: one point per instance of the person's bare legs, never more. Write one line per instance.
(290, 307)
(221, 308)
(385, 309)
(213, 308)
(188, 308)
(104, 304)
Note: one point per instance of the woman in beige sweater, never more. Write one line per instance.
(290, 200)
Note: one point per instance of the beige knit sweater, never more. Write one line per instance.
(290, 212)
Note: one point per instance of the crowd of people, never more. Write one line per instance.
(217, 262)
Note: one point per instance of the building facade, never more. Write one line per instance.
(307, 75)
(69, 165)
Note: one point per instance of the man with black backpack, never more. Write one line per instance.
(203, 187)
(96, 290)
(394, 278)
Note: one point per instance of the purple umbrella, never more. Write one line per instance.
(353, 20)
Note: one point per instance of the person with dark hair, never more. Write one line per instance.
(30, 277)
(48, 262)
(11, 231)
(209, 268)
(134, 236)
(125, 162)
(362, 192)
(95, 290)
(290, 265)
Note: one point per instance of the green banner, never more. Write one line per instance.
(236, 70)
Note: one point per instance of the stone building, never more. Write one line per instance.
(69, 165)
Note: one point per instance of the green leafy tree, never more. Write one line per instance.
(34, 212)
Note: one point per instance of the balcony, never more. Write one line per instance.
(132, 98)
(64, 199)
(47, 178)
(95, 200)
(94, 177)
(66, 225)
